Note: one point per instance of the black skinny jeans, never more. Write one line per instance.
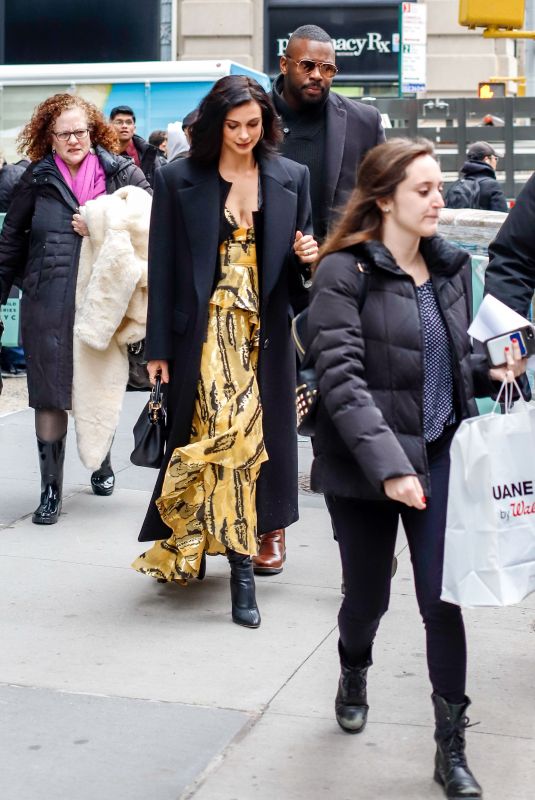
(366, 534)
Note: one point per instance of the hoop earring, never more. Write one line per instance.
(261, 133)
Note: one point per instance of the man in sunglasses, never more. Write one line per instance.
(329, 133)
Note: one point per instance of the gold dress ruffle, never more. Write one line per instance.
(209, 491)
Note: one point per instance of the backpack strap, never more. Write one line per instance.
(300, 321)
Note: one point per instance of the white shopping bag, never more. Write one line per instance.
(489, 556)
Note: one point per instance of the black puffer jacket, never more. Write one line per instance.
(370, 366)
(39, 251)
(150, 157)
(10, 175)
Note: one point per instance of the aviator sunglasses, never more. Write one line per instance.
(307, 66)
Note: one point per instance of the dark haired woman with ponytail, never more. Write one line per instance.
(230, 225)
(396, 379)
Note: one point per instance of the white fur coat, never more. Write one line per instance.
(111, 312)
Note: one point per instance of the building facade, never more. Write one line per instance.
(253, 31)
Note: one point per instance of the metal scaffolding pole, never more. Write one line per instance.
(166, 30)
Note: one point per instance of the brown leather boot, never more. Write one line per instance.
(271, 554)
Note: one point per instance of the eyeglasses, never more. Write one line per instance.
(64, 136)
(307, 66)
(120, 122)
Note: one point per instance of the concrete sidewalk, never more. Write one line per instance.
(115, 687)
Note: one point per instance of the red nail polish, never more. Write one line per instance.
(506, 349)
(424, 499)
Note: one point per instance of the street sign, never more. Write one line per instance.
(413, 51)
(10, 314)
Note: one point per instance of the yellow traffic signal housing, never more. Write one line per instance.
(493, 13)
(488, 89)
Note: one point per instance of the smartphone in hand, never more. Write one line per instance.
(525, 337)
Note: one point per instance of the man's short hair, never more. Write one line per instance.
(312, 32)
(480, 150)
(126, 110)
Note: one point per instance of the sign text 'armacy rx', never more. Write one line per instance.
(365, 37)
(352, 47)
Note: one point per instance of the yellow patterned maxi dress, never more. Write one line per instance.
(209, 489)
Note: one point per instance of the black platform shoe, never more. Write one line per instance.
(242, 590)
(103, 479)
(51, 458)
(351, 704)
(451, 769)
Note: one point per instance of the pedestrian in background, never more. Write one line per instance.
(178, 143)
(144, 155)
(12, 360)
(218, 331)
(329, 134)
(10, 175)
(477, 186)
(510, 275)
(158, 139)
(73, 155)
(395, 380)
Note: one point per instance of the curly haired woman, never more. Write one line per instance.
(73, 155)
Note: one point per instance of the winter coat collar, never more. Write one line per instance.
(201, 207)
(336, 133)
(442, 257)
(111, 163)
(477, 169)
(142, 146)
(194, 173)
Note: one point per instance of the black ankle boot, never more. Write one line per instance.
(242, 590)
(351, 704)
(103, 479)
(51, 457)
(451, 769)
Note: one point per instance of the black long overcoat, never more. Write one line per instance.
(183, 250)
(39, 251)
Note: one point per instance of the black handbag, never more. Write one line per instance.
(150, 431)
(138, 376)
(307, 389)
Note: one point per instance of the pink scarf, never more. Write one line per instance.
(90, 180)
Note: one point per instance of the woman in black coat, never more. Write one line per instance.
(232, 208)
(71, 149)
(395, 380)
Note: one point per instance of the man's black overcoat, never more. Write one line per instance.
(183, 261)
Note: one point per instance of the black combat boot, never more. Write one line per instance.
(451, 769)
(351, 704)
(103, 479)
(51, 458)
(242, 590)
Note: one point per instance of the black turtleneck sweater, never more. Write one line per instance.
(304, 142)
